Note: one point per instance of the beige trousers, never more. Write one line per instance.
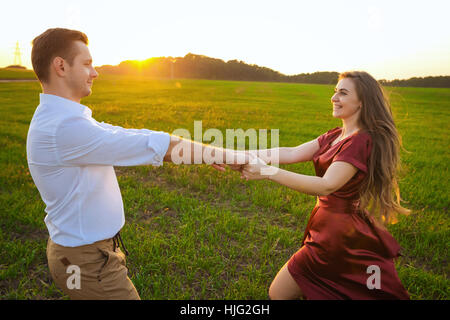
(91, 272)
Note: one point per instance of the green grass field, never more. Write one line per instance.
(196, 233)
(12, 73)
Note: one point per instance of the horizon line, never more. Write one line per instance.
(226, 61)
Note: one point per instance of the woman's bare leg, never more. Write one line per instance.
(284, 287)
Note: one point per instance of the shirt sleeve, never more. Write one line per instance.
(118, 128)
(82, 141)
(355, 151)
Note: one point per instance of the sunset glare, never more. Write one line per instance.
(389, 39)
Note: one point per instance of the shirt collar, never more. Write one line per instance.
(50, 99)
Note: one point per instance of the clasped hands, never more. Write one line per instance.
(249, 165)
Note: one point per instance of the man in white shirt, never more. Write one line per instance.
(71, 158)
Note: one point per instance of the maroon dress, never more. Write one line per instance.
(341, 243)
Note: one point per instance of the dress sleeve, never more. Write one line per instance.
(356, 151)
(324, 137)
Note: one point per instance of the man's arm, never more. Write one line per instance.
(82, 141)
(118, 128)
(190, 152)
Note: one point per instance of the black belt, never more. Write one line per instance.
(116, 240)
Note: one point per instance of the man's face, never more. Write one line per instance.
(81, 74)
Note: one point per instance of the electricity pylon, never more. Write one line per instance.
(17, 55)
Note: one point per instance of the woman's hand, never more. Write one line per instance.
(257, 169)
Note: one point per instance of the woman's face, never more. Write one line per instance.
(345, 100)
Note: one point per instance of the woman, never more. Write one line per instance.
(346, 252)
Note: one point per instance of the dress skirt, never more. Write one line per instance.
(344, 255)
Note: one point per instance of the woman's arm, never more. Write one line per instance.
(287, 155)
(337, 175)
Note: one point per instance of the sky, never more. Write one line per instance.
(390, 39)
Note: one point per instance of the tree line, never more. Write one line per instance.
(202, 67)
(426, 82)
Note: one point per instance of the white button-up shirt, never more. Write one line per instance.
(71, 158)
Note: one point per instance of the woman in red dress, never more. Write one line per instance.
(346, 251)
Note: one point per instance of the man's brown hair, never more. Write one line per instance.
(56, 42)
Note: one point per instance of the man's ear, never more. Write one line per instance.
(58, 64)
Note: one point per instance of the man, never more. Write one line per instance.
(71, 158)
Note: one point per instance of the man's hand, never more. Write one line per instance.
(219, 167)
(241, 158)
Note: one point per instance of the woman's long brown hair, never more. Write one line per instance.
(381, 183)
